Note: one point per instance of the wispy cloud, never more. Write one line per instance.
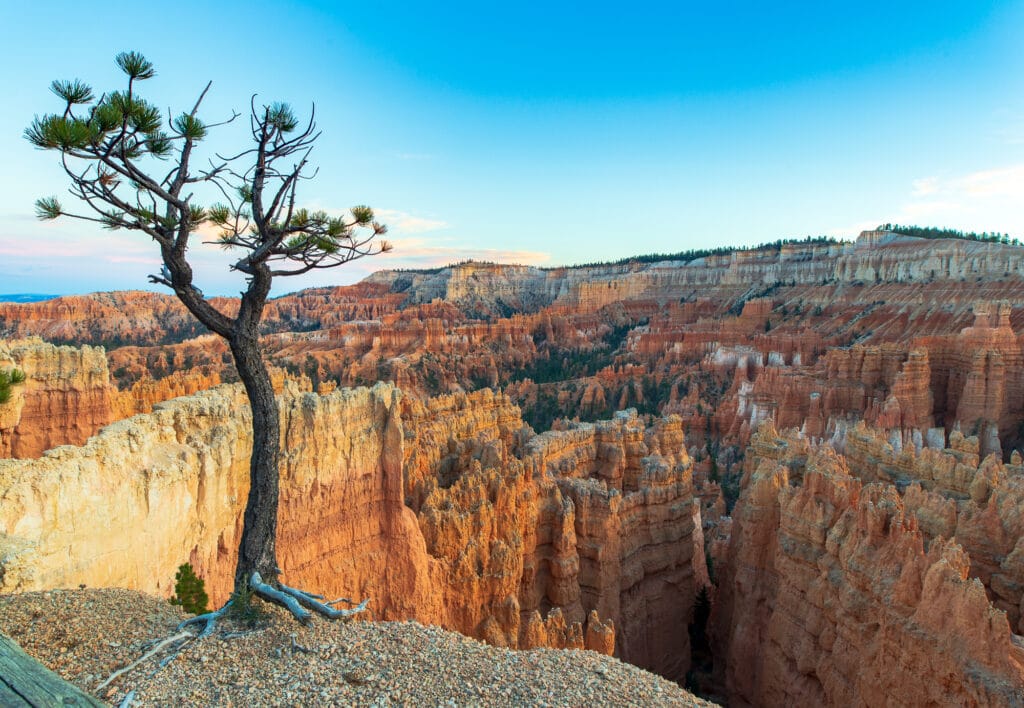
(983, 200)
(153, 261)
(65, 256)
(68, 257)
(925, 186)
(400, 222)
(1001, 182)
(397, 220)
(423, 253)
(63, 242)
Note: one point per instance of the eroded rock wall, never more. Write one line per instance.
(449, 511)
(955, 494)
(67, 396)
(590, 527)
(830, 594)
(69, 393)
(156, 490)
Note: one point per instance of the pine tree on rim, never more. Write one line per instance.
(130, 168)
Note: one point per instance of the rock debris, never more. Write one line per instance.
(86, 635)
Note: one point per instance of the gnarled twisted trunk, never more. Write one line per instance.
(257, 550)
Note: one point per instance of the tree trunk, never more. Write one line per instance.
(257, 550)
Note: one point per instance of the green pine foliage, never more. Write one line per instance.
(699, 624)
(190, 591)
(8, 380)
(698, 679)
(242, 609)
(941, 232)
(693, 254)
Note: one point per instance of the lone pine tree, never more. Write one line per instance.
(189, 590)
(132, 169)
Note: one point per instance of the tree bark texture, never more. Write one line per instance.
(257, 549)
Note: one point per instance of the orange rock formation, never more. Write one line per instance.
(829, 595)
(896, 362)
(67, 396)
(575, 538)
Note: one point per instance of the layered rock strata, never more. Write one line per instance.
(954, 494)
(919, 389)
(831, 596)
(565, 539)
(593, 521)
(873, 258)
(889, 330)
(67, 396)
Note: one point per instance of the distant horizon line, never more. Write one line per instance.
(646, 258)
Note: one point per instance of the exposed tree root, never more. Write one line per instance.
(298, 647)
(183, 637)
(324, 608)
(272, 594)
(209, 621)
(296, 600)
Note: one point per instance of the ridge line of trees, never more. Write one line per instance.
(942, 232)
(695, 253)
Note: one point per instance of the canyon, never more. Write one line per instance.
(820, 438)
(834, 591)
(519, 539)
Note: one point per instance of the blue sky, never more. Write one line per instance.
(532, 134)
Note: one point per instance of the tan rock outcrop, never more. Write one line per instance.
(829, 597)
(155, 490)
(563, 539)
(67, 396)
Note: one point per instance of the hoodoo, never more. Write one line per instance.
(578, 458)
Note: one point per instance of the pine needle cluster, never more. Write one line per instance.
(8, 380)
(242, 609)
(190, 591)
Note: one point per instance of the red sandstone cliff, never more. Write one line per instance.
(829, 334)
(596, 518)
(586, 534)
(67, 396)
(830, 596)
(563, 539)
(954, 494)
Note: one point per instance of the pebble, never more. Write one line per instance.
(86, 635)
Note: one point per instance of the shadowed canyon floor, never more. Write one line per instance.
(822, 435)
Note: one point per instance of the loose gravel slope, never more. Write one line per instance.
(85, 635)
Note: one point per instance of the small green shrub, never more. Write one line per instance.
(242, 609)
(190, 591)
(8, 380)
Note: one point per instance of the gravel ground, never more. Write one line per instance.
(85, 635)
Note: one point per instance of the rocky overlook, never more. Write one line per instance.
(822, 435)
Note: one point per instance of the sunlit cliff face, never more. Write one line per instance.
(823, 433)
